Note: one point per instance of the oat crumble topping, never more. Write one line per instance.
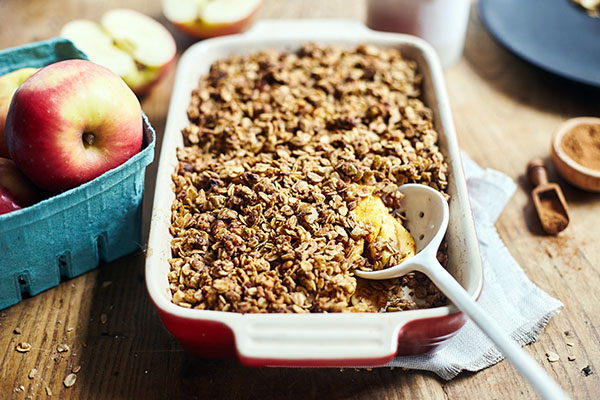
(280, 148)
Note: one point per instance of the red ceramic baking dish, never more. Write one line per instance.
(318, 339)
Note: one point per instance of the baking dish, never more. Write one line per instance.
(345, 339)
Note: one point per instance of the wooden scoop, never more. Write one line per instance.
(548, 199)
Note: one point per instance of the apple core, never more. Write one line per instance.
(88, 138)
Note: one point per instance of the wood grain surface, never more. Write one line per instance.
(505, 112)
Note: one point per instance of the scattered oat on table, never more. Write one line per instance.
(32, 373)
(571, 358)
(279, 150)
(17, 331)
(48, 391)
(552, 356)
(23, 347)
(76, 369)
(61, 348)
(570, 344)
(69, 329)
(70, 380)
(103, 318)
(551, 252)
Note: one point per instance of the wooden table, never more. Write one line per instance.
(505, 112)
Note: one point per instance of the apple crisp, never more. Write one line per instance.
(280, 151)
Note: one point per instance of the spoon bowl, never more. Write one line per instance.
(426, 212)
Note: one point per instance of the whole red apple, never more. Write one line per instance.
(8, 85)
(71, 122)
(16, 191)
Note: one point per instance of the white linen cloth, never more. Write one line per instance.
(519, 306)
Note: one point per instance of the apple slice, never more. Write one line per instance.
(209, 18)
(134, 46)
(8, 86)
(98, 46)
(148, 42)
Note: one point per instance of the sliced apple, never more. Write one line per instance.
(405, 241)
(98, 46)
(134, 46)
(371, 210)
(145, 39)
(385, 229)
(209, 18)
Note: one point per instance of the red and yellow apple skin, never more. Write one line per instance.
(16, 191)
(9, 84)
(140, 88)
(204, 30)
(71, 122)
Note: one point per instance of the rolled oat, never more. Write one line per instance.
(23, 347)
(70, 380)
(280, 149)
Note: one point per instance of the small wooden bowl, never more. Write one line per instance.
(576, 174)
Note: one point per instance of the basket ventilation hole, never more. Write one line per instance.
(64, 261)
(101, 242)
(24, 282)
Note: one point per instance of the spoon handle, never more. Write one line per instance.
(537, 377)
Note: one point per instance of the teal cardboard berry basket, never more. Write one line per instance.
(68, 234)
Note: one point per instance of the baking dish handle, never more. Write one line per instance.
(328, 340)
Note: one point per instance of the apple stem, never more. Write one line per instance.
(88, 138)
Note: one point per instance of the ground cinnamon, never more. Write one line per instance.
(582, 145)
(552, 214)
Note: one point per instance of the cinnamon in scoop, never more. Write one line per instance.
(548, 199)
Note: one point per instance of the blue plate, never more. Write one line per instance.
(555, 35)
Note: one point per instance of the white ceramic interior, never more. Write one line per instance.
(424, 213)
(311, 336)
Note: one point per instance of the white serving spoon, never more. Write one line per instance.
(427, 219)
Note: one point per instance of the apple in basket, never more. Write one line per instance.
(134, 46)
(8, 86)
(16, 191)
(71, 122)
(209, 18)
